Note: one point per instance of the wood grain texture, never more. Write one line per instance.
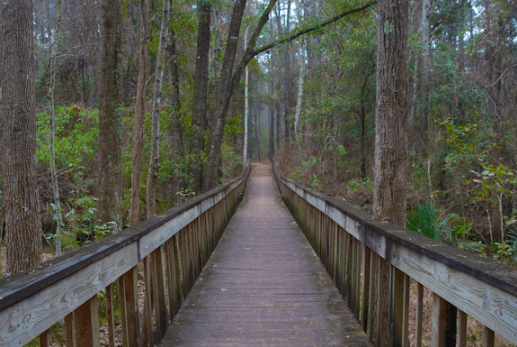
(263, 286)
(484, 289)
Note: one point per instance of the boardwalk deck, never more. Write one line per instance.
(263, 285)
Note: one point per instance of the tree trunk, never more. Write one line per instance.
(391, 161)
(154, 159)
(246, 106)
(53, 171)
(223, 97)
(138, 134)
(199, 105)
(21, 200)
(299, 97)
(287, 66)
(424, 83)
(110, 119)
(257, 131)
(176, 135)
(271, 147)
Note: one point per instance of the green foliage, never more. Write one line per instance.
(76, 140)
(423, 219)
(360, 185)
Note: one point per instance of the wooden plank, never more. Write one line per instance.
(372, 303)
(147, 327)
(86, 318)
(366, 287)
(488, 337)
(383, 305)
(419, 314)
(357, 286)
(405, 318)
(462, 329)
(397, 307)
(263, 286)
(158, 283)
(44, 339)
(69, 330)
(25, 320)
(110, 314)
(443, 319)
(483, 289)
(128, 300)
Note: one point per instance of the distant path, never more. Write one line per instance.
(263, 285)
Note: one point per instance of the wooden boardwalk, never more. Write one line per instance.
(263, 285)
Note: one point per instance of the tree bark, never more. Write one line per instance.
(110, 119)
(246, 106)
(138, 134)
(154, 159)
(176, 134)
(53, 169)
(391, 161)
(424, 83)
(287, 73)
(223, 97)
(199, 106)
(21, 201)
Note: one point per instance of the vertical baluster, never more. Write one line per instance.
(443, 320)
(350, 272)
(110, 315)
(383, 288)
(405, 319)
(374, 259)
(177, 278)
(160, 308)
(462, 329)
(69, 327)
(357, 284)
(147, 329)
(184, 260)
(488, 340)
(366, 287)
(396, 307)
(419, 314)
(44, 339)
(86, 318)
(129, 308)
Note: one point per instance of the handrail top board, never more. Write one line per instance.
(488, 271)
(24, 284)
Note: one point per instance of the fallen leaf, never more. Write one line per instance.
(224, 289)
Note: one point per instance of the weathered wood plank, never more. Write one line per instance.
(110, 315)
(86, 318)
(25, 320)
(483, 289)
(263, 286)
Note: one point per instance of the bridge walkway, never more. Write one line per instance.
(264, 285)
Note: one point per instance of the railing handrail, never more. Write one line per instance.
(409, 252)
(127, 248)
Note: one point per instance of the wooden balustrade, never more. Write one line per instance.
(170, 250)
(373, 263)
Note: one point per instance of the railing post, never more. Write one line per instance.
(129, 308)
(86, 319)
(160, 308)
(462, 329)
(443, 321)
(383, 303)
(110, 314)
(366, 288)
(69, 328)
(397, 304)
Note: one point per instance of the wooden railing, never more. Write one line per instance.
(373, 264)
(169, 250)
